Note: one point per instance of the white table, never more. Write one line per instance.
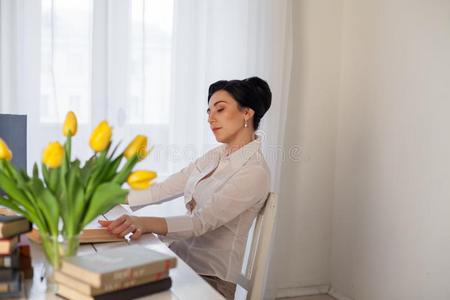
(186, 283)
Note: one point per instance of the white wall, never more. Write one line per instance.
(301, 264)
(367, 211)
(391, 216)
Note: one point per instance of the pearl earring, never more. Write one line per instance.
(245, 124)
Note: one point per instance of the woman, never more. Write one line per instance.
(223, 190)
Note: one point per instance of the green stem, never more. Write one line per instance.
(122, 175)
(50, 245)
(70, 245)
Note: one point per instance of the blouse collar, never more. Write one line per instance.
(243, 154)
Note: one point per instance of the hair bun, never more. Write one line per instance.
(252, 92)
(261, 90)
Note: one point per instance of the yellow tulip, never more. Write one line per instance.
(137, 146)
(5, 153)
(100, 137)
(53, 155)
(140, 180)
(70, 124)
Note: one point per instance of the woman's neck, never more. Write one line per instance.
(239, 142)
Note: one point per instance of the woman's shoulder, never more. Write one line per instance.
(257, 158)
(254, 175)
(257, 164)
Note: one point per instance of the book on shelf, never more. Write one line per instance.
(24, 250)
(7, 245)
(13, 284)
(11, 260)
(125, 294)
(19, 260)
(87, 289)
(117, 264)
(24, 246)
(26, 267)
(7, 274)
(13, 225)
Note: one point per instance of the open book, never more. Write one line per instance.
(94, 232)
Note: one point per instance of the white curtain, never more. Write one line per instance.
(145, 66)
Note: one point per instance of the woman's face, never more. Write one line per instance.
(225, 117)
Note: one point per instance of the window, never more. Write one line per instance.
(151, 44)
(131, 87)
(66, 60)
(66, 28)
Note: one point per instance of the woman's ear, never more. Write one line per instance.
(249, 113)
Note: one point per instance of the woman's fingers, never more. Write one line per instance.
(122, 226)
(117, 222)
(104, 223)
(130, 229)
(136, 234)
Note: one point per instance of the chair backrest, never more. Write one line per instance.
(258, 260)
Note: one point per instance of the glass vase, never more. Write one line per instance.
(55, 249)
(68, 245)
(50, 246)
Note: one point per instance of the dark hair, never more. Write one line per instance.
(252, 92)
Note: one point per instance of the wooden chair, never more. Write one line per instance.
(255, 274)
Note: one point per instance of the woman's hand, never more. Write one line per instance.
(124, 225)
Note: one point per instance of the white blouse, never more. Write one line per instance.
(212, 236)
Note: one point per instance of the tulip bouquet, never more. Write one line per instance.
(63, 196)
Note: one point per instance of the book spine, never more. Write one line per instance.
(8, 247)
(10, 261)
(85, 288)
(125, 294)
(6, 252)
(16, 229)
(136, 272)
(122, 284)
(138, 291)
(13, 285)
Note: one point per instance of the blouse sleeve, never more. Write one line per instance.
(245, 189)
(171, 188)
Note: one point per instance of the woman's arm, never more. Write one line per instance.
(243, 191)
(171, 188)
(137, 225)
(247, 188)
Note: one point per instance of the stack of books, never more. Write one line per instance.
(15, 258)
(25, 265)
(120, 273)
